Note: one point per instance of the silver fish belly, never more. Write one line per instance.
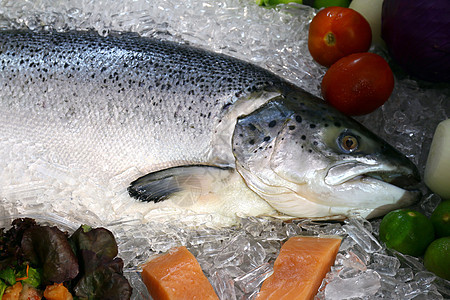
(104, 105)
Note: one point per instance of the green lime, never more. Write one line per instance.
(437, 257)
(276, 2)
(328, 3)
(407, 231)
(440, 218)
(313, 3)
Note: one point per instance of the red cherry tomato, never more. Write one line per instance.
(358, 84)
(336, 32)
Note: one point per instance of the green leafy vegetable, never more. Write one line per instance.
(8, 276)
(40, 255)
(10, 254)
(3, 287)
(99, 240)
(103, 284)
(33, 276)
(102, 273)
(86, 228)
(48, 247)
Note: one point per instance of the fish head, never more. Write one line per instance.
(306, 159)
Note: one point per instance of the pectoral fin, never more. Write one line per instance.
(160, 185)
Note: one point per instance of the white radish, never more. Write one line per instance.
(371, 10)
(437, 169)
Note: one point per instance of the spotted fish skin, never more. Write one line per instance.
(105, 105)
(122, 97)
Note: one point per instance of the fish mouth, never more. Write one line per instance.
(403, 177)
(409, 182)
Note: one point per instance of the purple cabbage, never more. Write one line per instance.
(417, 34)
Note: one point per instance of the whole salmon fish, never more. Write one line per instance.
(198, 123)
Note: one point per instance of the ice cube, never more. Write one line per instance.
(405, 274)
(384, 264)
(139, 289)
(351, 260)
(253, 279)
(256, 254)
(223, 285)
(292, 229)
(357, 230)
(443, 286)
(410, 261)
(349, 272)
(273, 231)
(430, 295)
(207, 235)
(429, 204)
(233, 271)
(407, 290)
(252, 225)
(424, 278)
(228, 258)
(347, 243)
(29, 189)
(360, 253)
(365, 284)
(388, 285)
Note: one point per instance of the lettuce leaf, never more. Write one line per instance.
(86, 261)
(48, 247)
(103, 283)
(10, 241)
(102, 273)
(99, 240)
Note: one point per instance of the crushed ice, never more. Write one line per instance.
(238, 259)
(235, 259)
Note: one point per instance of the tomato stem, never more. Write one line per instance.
(330, 39)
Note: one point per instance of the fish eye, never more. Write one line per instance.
(348, 142)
